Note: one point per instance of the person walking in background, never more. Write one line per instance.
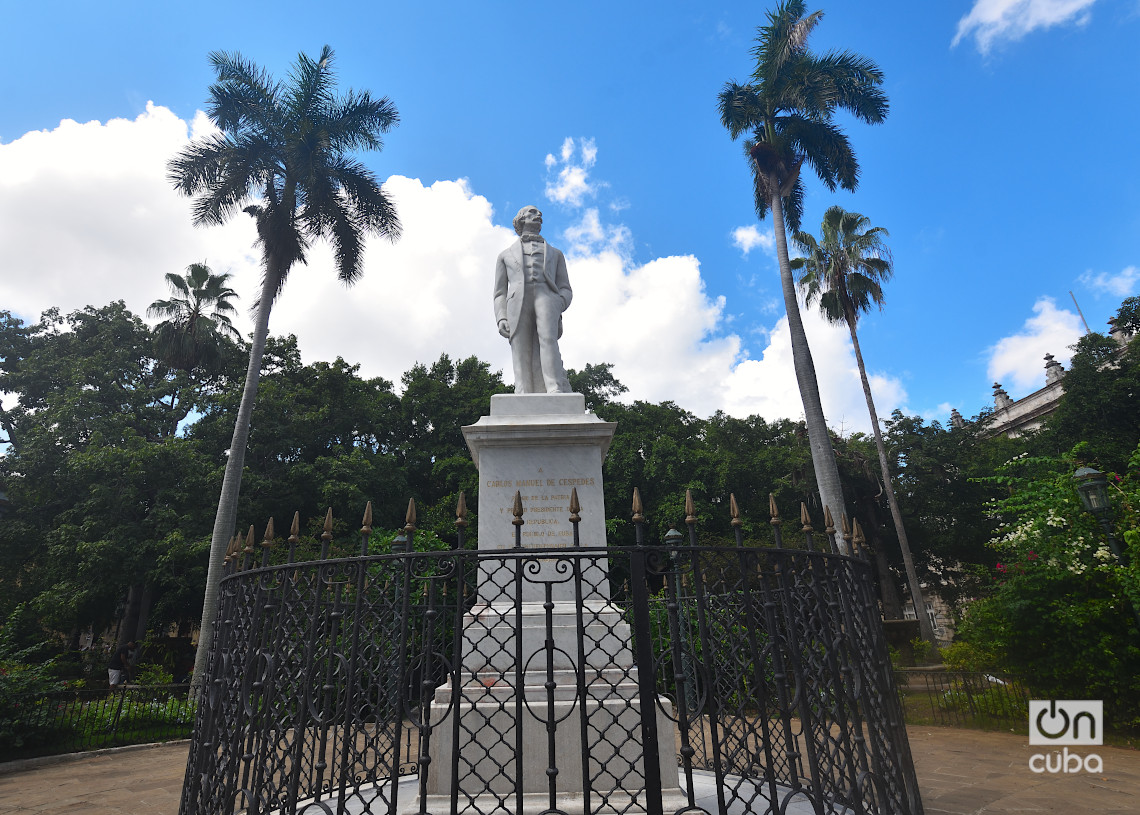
(119, 668)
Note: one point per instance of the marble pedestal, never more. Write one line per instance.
(543, 446)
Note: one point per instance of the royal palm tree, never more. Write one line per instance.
(786, 111)
(198, 319)
(843, 272)
(284, 155)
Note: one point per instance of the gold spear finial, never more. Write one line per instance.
(638, 509)
(773, 510)
(327, 534)
(461, 511)
(828, 521)
(575, 507)
(690, 509)
(859, 539)
(410, 517)
(734, 510)
(366, 522)
(249, 541)
(517, 509)
(267, 541)
(295, 529)
(805, 519)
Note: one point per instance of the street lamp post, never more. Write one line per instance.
(1092, 487)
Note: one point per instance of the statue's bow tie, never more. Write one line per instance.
(530, 236)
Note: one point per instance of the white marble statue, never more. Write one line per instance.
(531, 292)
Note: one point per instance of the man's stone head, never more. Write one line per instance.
(529, 219)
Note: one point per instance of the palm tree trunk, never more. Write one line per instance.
(822, 453)
(924, 627)
(226, 520)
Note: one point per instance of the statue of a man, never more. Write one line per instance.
(531, 292)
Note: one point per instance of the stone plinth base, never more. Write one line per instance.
(487, 749)
(541, 446)
(490, 642)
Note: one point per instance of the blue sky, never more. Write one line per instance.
(1007, 173)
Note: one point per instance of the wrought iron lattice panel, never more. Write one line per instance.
(421, 682)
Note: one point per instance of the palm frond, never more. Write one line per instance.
(178, 284)
(364, 194)
(741, 109)
(844, 269)
(794, 206)
(793, 96)
(825, 148)
(198, 164)
(855, 85)
(197, 323)
(348, 247)
(311, 89)
(242, 94)
(283, 157)
(357, 120)
(785, 35)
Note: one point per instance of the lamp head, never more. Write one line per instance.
(1091, 486)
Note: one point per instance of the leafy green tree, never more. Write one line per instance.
(198, 319)
(843, 272)
(290, 147)
(1059, 611)
(321, 437)
(97, 477)
(436, 403)
(597, 383)
(1100, 403)
(787, 111)
(656, 448)
(944, 500)
(752, 459)
(1127, 318)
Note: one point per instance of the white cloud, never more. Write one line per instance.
(568, 181)
(941, 413)
(87, 216)
(767, 385)
(991, 21)
(747, 238)
(590, 236)
(1121, 285)
(1017, 361)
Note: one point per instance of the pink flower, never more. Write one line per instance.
(1001, 568)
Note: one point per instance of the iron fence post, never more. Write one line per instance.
(646, 681)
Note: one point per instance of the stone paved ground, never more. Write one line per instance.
(959, 772)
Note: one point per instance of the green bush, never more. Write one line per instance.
(966, 656)
(25, 715)
(1058, 613)
(151, 674)
(921, 650)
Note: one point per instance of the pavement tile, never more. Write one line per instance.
(960, 772)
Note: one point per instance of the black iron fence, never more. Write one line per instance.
(964, 699)
(78, 720)
(647, 679)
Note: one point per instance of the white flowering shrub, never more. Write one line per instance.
(1060, 612)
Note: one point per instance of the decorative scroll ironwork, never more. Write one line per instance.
(720, 679)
